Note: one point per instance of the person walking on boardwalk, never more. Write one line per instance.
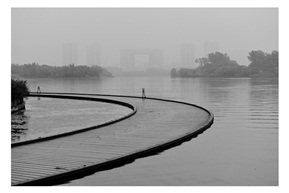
(143, 93)
(38, 89)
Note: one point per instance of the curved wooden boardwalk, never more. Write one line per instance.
(156, 125)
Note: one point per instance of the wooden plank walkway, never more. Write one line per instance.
(156, 124)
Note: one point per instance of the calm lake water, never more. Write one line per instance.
(241, 147)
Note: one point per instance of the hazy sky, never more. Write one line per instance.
(38, 34)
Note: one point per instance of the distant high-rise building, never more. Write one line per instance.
(211, 47)
(150, 58)
(93, 55)
(70, 54)
(187, 51)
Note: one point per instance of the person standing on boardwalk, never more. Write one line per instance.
(38, 89)
(143, 93)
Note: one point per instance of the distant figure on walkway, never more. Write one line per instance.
(38, 89)
(143, 93)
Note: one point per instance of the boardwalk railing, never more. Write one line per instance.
(154, 125)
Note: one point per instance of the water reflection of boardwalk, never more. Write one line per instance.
(156, 124)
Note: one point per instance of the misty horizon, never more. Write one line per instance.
(38, 34)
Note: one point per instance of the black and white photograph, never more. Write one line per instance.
(143, 96)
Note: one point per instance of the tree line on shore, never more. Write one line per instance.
(220, 65)
(34, 70)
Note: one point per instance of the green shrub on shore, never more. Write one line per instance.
(19, 90)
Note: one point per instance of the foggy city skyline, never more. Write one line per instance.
(39, 34)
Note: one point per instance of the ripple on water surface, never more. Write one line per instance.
(44, 117)
(241, 147)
